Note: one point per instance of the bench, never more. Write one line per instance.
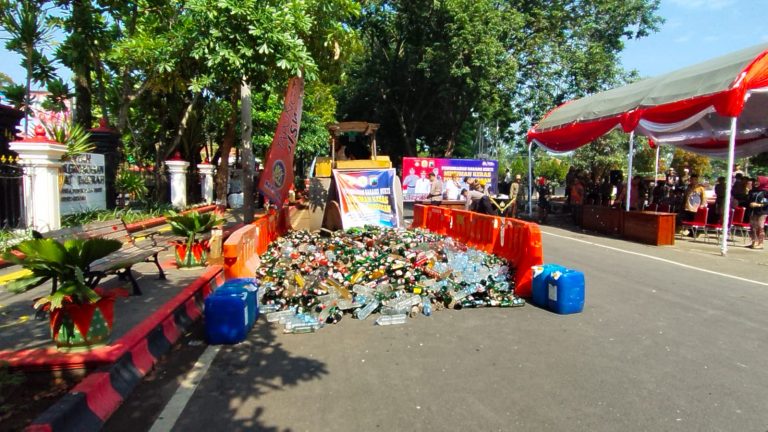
(120, 261)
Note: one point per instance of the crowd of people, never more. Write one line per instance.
(682, 194)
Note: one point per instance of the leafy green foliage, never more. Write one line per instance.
(29, 32)
(74, 136)
(130, 183)
(695, 163)
(128, 215)
(16, 95)
(67, 261)
(191, 224)
(428, 68)
(606, 153)
(59, 93)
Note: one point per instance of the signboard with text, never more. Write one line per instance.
(366, 197)
(416, 174)
(84, 186)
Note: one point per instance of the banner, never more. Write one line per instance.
(416, 175)
(366, 197)
(277, 177)
(84, 185)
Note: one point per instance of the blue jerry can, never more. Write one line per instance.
(565, 291)
(249, 294)
(226, 319)
(539, 284)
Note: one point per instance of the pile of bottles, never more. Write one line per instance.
(309, 280)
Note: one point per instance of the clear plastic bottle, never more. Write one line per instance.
(367, 310)
(391, 319)
(426, 307)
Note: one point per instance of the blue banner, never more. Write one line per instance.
(366, 197)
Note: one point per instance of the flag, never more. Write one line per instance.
(277, 177)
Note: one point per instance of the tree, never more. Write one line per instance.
(697, 164)
(265, 43)
(5, 80)
(428, 67)
(606, 153)
(25, 21)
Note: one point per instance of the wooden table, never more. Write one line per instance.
(649, 227)
(603, 219)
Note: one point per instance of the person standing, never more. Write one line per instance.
(577, 199)
(435, 188)
(694, 198)
(758, 203)
(544, 193)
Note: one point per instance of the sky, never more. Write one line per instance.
(694, 31)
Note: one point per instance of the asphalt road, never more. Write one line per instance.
(659, 346)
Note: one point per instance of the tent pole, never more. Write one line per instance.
(530, 181)
(629, 175)
(656, 167)
(728, 186)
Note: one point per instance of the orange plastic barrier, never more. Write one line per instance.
(517, 241)
(461, 225)
(240, 257)
(435, 220)
(520, 243)
(242, 249)
(419, 216)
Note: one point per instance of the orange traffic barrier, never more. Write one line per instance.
(461, 225)
(520, 243)
(517, 241)
(242, 249)
(240, 257)
(435, 220)
(419, 216)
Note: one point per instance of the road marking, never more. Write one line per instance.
(658, 259)
(13, 276)
(178, 402)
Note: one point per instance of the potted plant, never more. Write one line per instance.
(79, 317)
(192, 252)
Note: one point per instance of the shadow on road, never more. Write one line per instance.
(228, 397)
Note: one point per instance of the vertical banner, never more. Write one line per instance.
(277, 178)
(366, 197)
(416, 174)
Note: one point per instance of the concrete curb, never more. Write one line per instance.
(89, 404)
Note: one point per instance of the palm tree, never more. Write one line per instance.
(25, 22)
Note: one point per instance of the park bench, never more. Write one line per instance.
(120, 261)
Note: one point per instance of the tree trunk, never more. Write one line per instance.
(182, 128)
(246, 126)
(222, 173)
(102, 91)
(408, 141)
(83, 115)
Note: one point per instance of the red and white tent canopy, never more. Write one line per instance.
(690, 108)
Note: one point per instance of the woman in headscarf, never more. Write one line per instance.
(758, 203)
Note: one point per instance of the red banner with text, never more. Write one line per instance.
(277, 177)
